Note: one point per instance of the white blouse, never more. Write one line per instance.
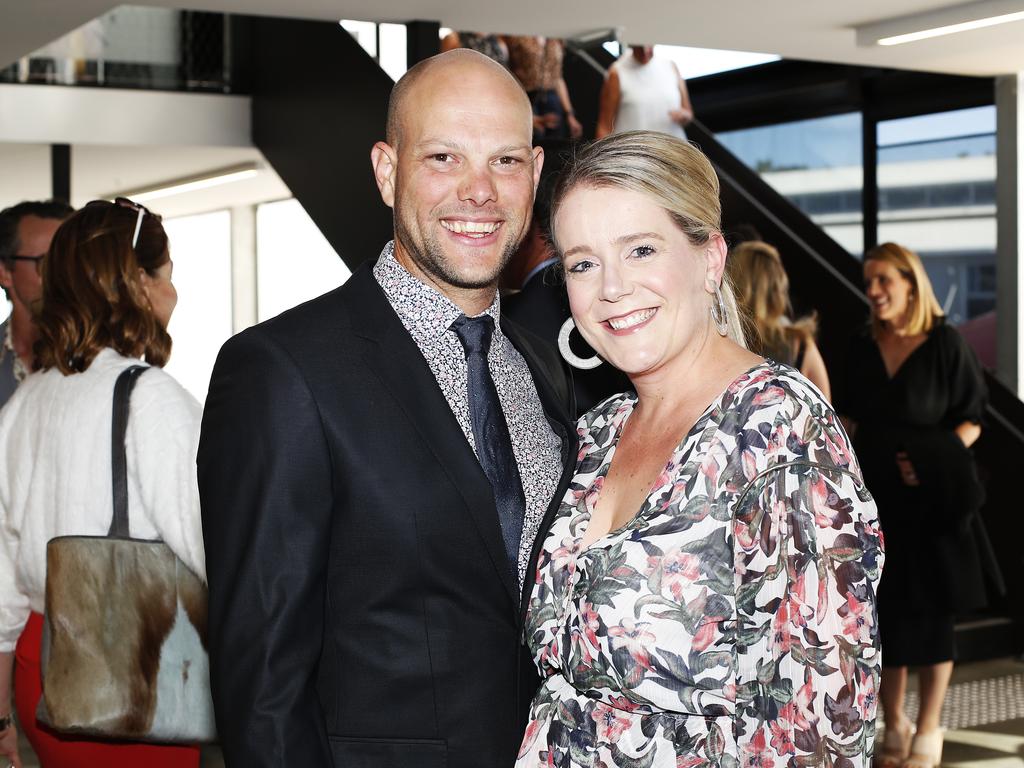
(55, 473)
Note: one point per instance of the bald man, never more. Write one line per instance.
(377, 464)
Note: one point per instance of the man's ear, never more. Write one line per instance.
(384, 160)
(538, 165)
(6, 278)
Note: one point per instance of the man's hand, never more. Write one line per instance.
(575, 129)
(682, 116)
(906, 469)
(551, 120)
(9, 747)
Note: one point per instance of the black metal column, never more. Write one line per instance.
(422, 40)
(60, 172)
(869, 162)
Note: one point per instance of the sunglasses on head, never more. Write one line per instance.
(124, 202)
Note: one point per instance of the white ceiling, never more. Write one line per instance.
(803, 29)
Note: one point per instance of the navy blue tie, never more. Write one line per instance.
(490, 432)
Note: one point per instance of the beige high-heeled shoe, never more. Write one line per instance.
(895, 746)
(925, 750)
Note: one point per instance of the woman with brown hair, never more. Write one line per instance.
(107, 299)
(762, 289)
(914, 399)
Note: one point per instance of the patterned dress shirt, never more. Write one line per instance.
(427, 315)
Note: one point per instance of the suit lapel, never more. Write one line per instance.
(396, 360)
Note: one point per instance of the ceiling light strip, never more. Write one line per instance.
(940, 22)
(192, 183)
(951, 29)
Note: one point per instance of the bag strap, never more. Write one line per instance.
(118, 455)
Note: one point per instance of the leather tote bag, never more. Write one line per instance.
(124, 640)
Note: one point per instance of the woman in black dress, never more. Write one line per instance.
(914, 400)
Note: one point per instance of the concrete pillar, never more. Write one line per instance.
(243, 267)
(1010, 231)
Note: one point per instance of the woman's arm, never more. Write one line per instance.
(450, 42)
(968, 432)
(9, 736)
(684, 114)
(609, 108)
(575, 129)
(814, 369)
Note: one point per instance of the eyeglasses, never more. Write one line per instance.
(37, 261)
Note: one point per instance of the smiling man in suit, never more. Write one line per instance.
(377, 464)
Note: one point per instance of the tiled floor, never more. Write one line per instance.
(984, 715)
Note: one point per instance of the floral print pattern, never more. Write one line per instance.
(732, 621)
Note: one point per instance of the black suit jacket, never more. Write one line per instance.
(362, 611)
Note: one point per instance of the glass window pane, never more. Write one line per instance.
(697, 62)
(936, 178)
(816, 164)
(393, 54)
(201, 323)
(365, 33)
(295, 262)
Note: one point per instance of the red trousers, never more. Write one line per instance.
(55, 751)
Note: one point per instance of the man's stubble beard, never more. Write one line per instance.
(431, 258)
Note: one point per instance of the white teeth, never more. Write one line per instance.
(621, 323)
(474, 228)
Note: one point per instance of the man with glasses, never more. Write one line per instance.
(26, 230)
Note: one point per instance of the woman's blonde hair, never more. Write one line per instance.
(924, 308)
(762, 290)
(93, 296)
(672, 173)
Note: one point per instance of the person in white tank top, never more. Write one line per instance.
(644, 92)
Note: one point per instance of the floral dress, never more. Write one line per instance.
(732, 621)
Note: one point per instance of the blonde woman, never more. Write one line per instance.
(705, 592)
(762, 289)
(914, 399)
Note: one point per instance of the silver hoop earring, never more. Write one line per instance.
(719, 314)
(571, 357)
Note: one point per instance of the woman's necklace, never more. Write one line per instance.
(20, 371)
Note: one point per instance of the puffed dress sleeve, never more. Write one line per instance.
(968, 394)
(808, 556)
